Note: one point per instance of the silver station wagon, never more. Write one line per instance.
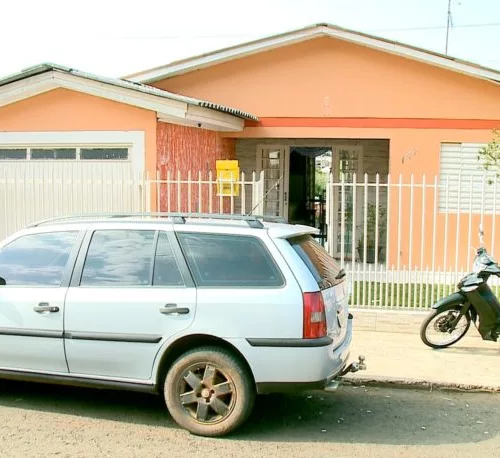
(206, 310)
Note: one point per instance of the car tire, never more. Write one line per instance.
(209, 391)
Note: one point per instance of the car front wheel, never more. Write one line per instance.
(209, 392)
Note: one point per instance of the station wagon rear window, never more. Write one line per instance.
(321, 265)
(222, 260)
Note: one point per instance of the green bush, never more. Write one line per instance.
(411, 295)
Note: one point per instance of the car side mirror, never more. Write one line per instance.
(2, 281)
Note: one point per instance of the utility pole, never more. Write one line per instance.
(449, 24)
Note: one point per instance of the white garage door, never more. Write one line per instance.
(42, 181)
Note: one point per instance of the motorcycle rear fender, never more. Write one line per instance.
(487, 308)
(450, 301)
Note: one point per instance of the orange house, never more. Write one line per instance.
(376, 105)
(320, 97)
(60, 125)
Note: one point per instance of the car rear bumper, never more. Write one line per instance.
(296, 367)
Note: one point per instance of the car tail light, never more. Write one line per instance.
(314, 316)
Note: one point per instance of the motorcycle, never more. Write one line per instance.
(474, 301)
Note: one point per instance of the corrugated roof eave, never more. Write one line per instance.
(125, 84)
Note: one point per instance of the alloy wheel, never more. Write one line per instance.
(207, 393)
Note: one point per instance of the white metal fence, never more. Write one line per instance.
(403, 242)
(26, 196)
(207, 193)
(406, 243)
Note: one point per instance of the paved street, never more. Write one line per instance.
(38, 420)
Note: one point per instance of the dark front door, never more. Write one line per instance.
(309, 171)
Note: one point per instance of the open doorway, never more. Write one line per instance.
(295, 174)
(310, 167)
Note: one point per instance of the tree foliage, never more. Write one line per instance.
(490, 154)
(321, 182)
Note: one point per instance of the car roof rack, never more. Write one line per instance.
(84, 216)
(254, 221)
(251, 220)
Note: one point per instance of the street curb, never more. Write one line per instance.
(417, 384)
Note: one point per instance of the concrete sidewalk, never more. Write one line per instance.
(394, 353)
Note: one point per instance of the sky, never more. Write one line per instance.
(119, 37)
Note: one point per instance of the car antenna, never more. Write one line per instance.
(264, 196)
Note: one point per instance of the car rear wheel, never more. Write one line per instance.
(209, 392)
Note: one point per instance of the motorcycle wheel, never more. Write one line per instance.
(437, 330)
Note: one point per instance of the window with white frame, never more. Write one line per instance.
(91, 153)
(464, 184)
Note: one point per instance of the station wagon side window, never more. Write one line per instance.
(119, 258)
(166, 269)
(223, 260)
(37, 259)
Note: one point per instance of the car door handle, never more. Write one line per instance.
(45, 307)
(172, 309)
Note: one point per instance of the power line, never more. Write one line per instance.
(402, 29)
(438, 27)
(176, 37)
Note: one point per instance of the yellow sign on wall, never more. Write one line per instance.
(228, 173)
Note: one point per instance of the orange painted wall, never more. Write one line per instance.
(183, 150)
(328, 77)
(65, 110)
(315, 85)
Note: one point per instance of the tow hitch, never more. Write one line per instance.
(360, 365)
(355, 366)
